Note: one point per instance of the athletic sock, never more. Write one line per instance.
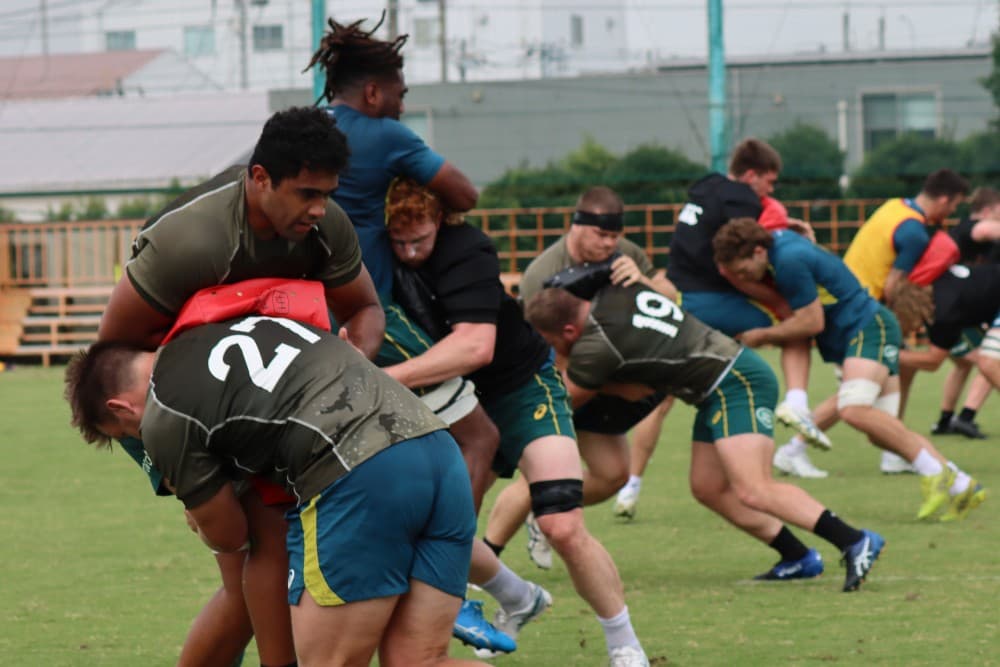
(794, 447)
(510, 590)
(836, 532)
(967, 415)
(962, 482)
(618, 631)
(926, 464)
(495, 548)
(945, 419)
(797, 398)
(634, 482)
(789, 546)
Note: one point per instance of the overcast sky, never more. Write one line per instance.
(764, 27)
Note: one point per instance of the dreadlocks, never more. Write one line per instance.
(349, 54)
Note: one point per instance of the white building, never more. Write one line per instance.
(262, 44)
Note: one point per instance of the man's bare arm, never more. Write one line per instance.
(468, 347)
(129, 318)
(454, 188)
(805, 322)
(356, 307)
(925, 360)
(221, 521)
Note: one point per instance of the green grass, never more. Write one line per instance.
(97, 571)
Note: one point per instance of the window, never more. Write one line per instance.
(268, 37)
(119, 40)
(576, 30)
(886, 116)
(199, 40)
(425, 32)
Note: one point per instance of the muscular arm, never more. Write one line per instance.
(986, 230)
(625, 272)
(760, 292)
(356, 307)
(892, 281)
(924, 360)
(466, 349)
(129, 318)
(222, 524)
(805, 322)
(454, 188)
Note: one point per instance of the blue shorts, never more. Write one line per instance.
(406, 513)
(879, 340)
(538, 408)
(730, 312)
(743, 402)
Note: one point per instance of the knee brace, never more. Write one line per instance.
(990, 347)
(555, 496)
(888, 404)
(858, 392)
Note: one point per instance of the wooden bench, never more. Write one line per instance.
(51, 322)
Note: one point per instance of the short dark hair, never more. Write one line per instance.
(551, 309)
(300, 138)
(603, 197)
(92, 376)
(983, 197)
(350, 55)
(737, 239)
(754, 154)
(945, 183)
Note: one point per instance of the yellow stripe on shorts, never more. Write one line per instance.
(746, 383)
(882, 336)
(548, 397)
(316, 583)
(725, 413)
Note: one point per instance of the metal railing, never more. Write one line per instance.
(68, 254)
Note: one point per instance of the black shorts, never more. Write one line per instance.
(612, 415)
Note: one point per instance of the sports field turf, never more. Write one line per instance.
(98, 571)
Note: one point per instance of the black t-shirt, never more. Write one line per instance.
(712, 202)
(974, 252)
(964, 296)
(460, 282)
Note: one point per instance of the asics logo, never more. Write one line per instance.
(689, 214)
(863, 561)
(788, 571)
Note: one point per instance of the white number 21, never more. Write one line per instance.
(265, 377)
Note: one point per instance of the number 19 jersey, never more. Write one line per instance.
(637, 336)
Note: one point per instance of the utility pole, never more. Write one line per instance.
(717, 122)
(392, 9)
(443, 39)
(241, 27)
(45, 27)
(318, 19)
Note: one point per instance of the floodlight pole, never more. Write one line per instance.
(318, 21)
(717, 122)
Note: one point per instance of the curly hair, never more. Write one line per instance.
(738, 238)
(407, 203)
(913, 305)
(349, 55)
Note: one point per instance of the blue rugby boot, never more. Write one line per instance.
(807, 567)
(473, 629)
(860, 557)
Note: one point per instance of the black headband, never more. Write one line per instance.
(609, 222)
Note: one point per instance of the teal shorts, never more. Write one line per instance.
(538, 408)
(403, 338)
(406, 513)
(134, 448)
(879, 340)
(971, 338)
(743, 401)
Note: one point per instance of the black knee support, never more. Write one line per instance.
(556, 495)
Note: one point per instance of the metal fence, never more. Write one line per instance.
(70, 254)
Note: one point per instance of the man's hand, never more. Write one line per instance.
(625, 272)
(802, 227)
(754, 337)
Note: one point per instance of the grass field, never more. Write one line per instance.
(97, 571)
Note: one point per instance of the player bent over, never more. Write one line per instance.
(370, 561)
(634, 341)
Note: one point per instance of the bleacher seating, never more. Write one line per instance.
(50, 322)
